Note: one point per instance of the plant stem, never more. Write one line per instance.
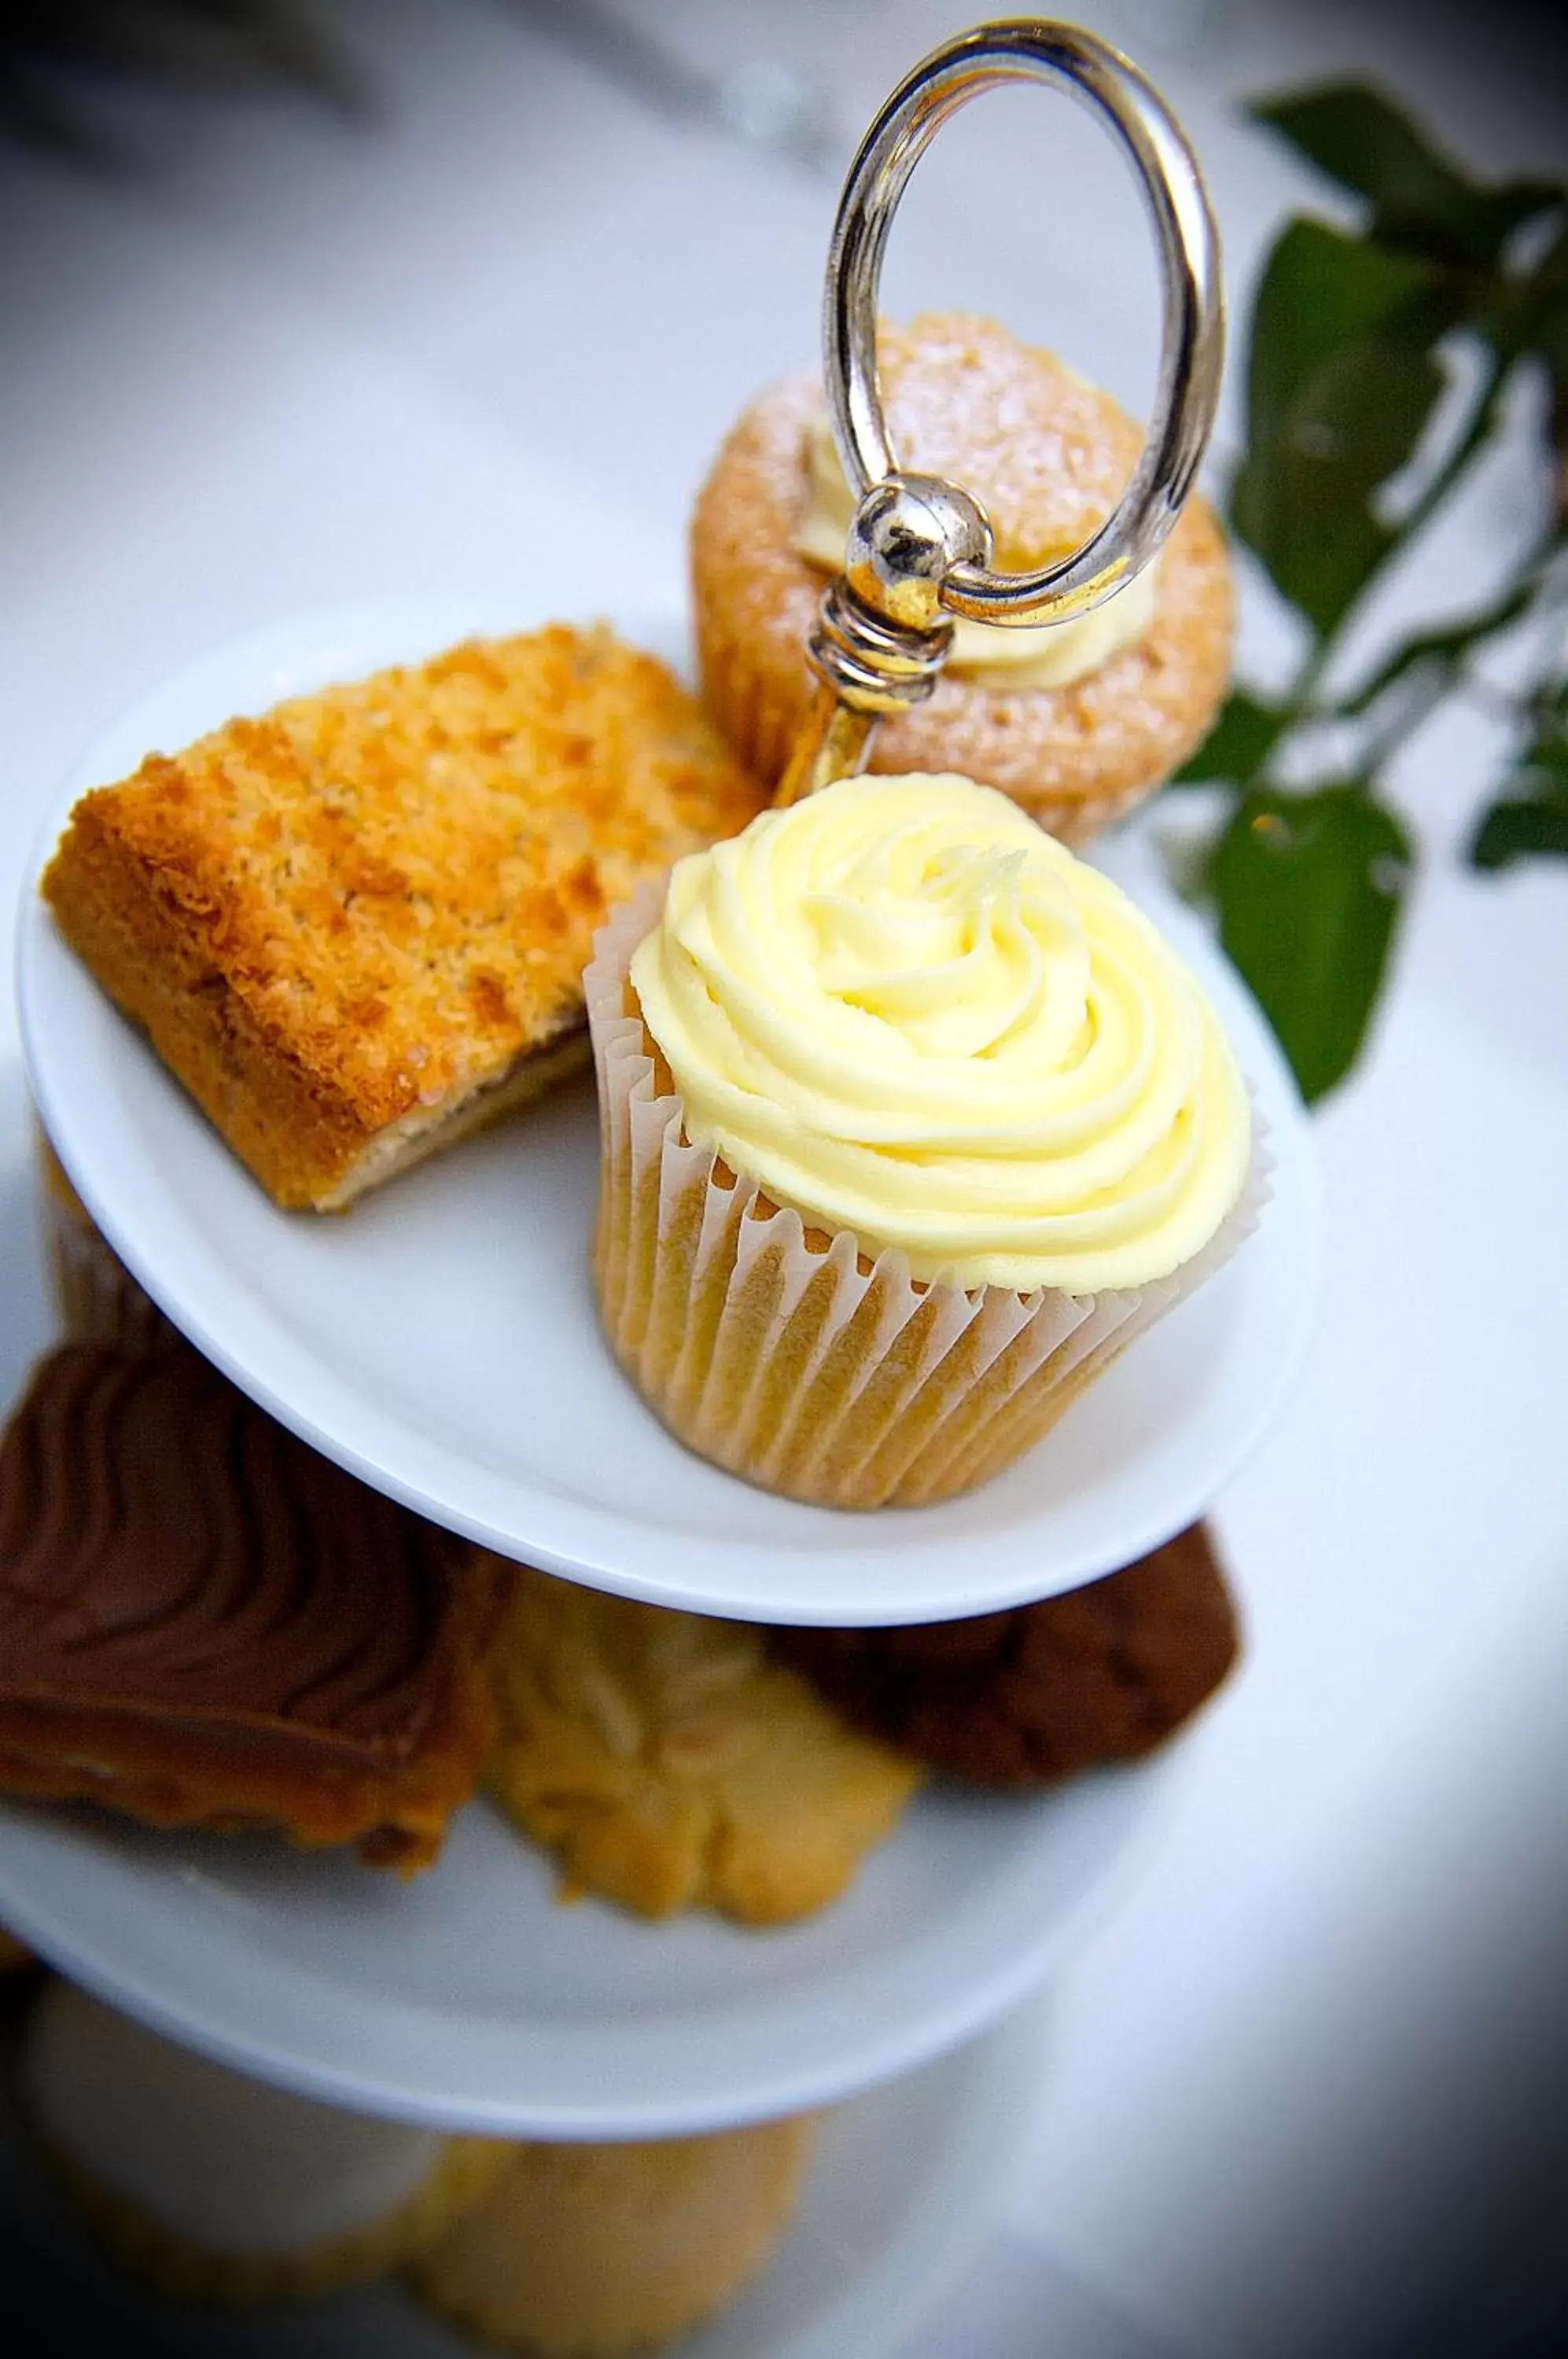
(1475, 435)
(1417, 710)
(1300, 698)
(1299, 702)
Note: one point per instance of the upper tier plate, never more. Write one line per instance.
(441, 1341)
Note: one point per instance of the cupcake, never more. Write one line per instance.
(582, 2250)
(671, 1765)
(1076, 721)
(218, 2188)
(911, 1123)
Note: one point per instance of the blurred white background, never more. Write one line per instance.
(1310, 2092)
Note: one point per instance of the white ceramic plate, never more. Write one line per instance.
(470, 1998)
(903, 2187)
(442, 1342)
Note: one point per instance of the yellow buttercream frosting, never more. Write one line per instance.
(1050, 655)
(903, 1009)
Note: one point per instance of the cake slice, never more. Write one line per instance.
(1041, 1692)
(98, 1300)
(356, 927)
(584, 2252)
(205, 1624)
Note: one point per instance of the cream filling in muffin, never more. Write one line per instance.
(1050, 655)
(224, 2163)
(904, 1010)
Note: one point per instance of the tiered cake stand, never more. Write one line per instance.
(442, 1343)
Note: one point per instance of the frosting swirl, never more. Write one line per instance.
(1028, 655)
(902, 1008)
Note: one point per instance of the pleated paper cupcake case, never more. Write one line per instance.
(795, 1361)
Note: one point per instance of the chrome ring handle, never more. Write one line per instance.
(919, 550)
(1062, 58)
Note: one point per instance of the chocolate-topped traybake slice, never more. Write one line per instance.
(204, 1622)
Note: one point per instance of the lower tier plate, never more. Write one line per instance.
(471, 1998)
(904, 2186)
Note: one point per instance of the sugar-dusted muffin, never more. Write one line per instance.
(203, 1623)
(219, 2188)
(355, 927)
(1102, 1673)
(1077, 722)
(582, 2252)
(98, 1300)
(911, 1122)
(672, 1765)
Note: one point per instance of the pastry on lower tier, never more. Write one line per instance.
(582, 2252)
(99, 1300)
(1076, 721)
(203, 1623)
(355, 927)
(1041, 1692)
(219, 2188)
(672, 1765)
(910, 1124)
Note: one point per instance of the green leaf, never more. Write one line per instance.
(1309, 889)
(1421, 200)
(1523, 828)
(1237, 746)
(1533, 820)
(1340, 382)
(1321, 290)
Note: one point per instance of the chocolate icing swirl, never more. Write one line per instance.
(166, 1546)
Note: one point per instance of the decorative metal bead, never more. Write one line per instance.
(908, 535)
